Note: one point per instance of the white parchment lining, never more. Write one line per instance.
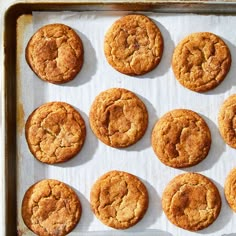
(158, 89)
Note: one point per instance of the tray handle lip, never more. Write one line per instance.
(18, 8)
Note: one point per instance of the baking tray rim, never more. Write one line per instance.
(181, 6)
(9, 98)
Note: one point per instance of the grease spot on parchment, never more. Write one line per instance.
(23, 22)
(21, 232)
(20, 118)
(21, 228)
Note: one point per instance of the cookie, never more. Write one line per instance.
(119, 199)
(201, 61)
(191, 201)
(133, 45)
(55, 132)
(55, 53)
(50, 207)
(181, 138)
(230, 189)
(118, 117)
(226, 121)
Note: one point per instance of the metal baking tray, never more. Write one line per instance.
(9, 97)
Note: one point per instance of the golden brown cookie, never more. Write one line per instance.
(51, 208)
(230, 189)
(119, 199)
(133, 45)
(201, 61)
(55, 132)
(191, 201)
(181, 138)
(227, 121)
(55, 53)
(118, 117)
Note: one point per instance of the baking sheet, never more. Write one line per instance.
(160, 92)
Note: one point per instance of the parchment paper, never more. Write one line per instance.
(158, 89)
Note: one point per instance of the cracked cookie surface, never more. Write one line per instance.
(55, 132)
(133, 45)
(201, 61)
(51, 208)
(119, 199)
(227, 121)
(118, 117)
(191, 201)
(181, 138)
(55, 53)
(230, 189)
